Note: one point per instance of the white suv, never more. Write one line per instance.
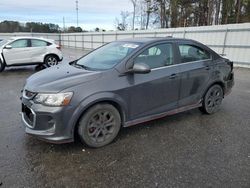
(29, 51)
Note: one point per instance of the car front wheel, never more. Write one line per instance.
(212, 99)
(51, 60)
(99, 125)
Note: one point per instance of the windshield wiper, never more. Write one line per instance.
(80, 66)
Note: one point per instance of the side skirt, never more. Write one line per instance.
(24, 64)
(161, 115)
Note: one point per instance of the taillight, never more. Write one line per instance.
(231, 65)
(58, 47)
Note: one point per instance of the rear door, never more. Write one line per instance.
(38, 50)
(157, 91)
(195, 67)
(19, 53)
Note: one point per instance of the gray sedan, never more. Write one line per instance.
(123, 83)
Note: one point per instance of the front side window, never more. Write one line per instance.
(22, 43)
(38, 43)
(192, 53)
(107, 56)
(157, 56)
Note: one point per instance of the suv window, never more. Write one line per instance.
(192, 53)
(157, 56)
(38, 43)
(22, 43)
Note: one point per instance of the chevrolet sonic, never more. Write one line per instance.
(123, 83)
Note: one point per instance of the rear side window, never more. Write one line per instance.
(156, 56)
(38, 43)
(22, 43)
(191, 53)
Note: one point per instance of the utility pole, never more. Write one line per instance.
(77, 13)
(63, 24)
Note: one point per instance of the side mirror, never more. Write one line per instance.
(8, 47)
(140, 68)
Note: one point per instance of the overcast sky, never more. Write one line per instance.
(92, 13)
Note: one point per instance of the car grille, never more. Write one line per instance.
(29, 116)
(28, 94)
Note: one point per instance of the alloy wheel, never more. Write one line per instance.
(213, 99)
(101, 126)
(52, 61)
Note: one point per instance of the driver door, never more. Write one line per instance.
(157, 91)
(19, 52)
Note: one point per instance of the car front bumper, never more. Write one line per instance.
(46, 123)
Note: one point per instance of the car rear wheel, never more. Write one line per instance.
(51, 60)
(99, 125)
(212, 99)
(2, 66)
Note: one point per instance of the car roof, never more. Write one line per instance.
(153, 39)
(38, 38)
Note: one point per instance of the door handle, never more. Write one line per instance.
(207, 67)
(173, 76)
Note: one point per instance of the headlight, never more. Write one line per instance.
(57, 99)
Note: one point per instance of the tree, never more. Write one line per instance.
(161, 9)
(73, 29)
(13, 26)
(121, 24)
(141, 14)
(237, 10)
(217, 11)
(227, 9)
(174, 12)
(10, 26)
(149, 11)
(134, 2)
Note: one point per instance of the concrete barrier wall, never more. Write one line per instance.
(233, 40)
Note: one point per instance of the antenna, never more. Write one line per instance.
(77, 13)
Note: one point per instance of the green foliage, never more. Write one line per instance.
(37, 27)
(13, 26)
(73, 29)
(183, 13)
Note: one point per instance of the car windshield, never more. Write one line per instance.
(3, 42)
(107, 56)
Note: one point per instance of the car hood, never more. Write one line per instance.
(58, 78)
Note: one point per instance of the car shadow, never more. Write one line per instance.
(22, 70)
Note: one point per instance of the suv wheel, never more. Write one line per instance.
(2, 66)
(51, 60)
(99, 125)
(212, 99)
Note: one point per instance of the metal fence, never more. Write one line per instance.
(233, 40)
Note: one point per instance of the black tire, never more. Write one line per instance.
(51, 60)
(2, 66)
(212, 99)
(40, 67)
(99, 125)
